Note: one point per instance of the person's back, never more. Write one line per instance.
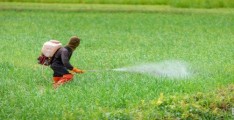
(59, 60)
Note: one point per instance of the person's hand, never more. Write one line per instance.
(76, 70)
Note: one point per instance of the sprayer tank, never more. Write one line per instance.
(50, 47)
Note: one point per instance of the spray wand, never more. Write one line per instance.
(99, 70)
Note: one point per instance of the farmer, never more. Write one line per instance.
(61, 65)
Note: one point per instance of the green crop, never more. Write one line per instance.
(113, 40)
(174, 3)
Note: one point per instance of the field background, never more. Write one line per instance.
(112, 39)
(174, 3)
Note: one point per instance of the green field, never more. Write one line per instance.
(112, 39)
(174, 3)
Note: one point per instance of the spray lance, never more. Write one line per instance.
(117, 69)
(97, 70)
(100, 70)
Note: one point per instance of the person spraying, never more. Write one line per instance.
(60, 63)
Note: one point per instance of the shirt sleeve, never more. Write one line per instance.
(65, 59)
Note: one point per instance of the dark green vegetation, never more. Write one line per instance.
(174, 3)
(211, 105)
(112, 40)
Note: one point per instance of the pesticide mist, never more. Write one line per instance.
(173, 69)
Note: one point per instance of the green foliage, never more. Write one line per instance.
(94, 1)
(175, 3)
(113, 40)
(216, 104)
(202, 3)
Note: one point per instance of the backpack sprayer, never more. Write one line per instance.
(47, 52)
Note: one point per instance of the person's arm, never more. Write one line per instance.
(65, 59)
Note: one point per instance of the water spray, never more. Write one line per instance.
(169, 68)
